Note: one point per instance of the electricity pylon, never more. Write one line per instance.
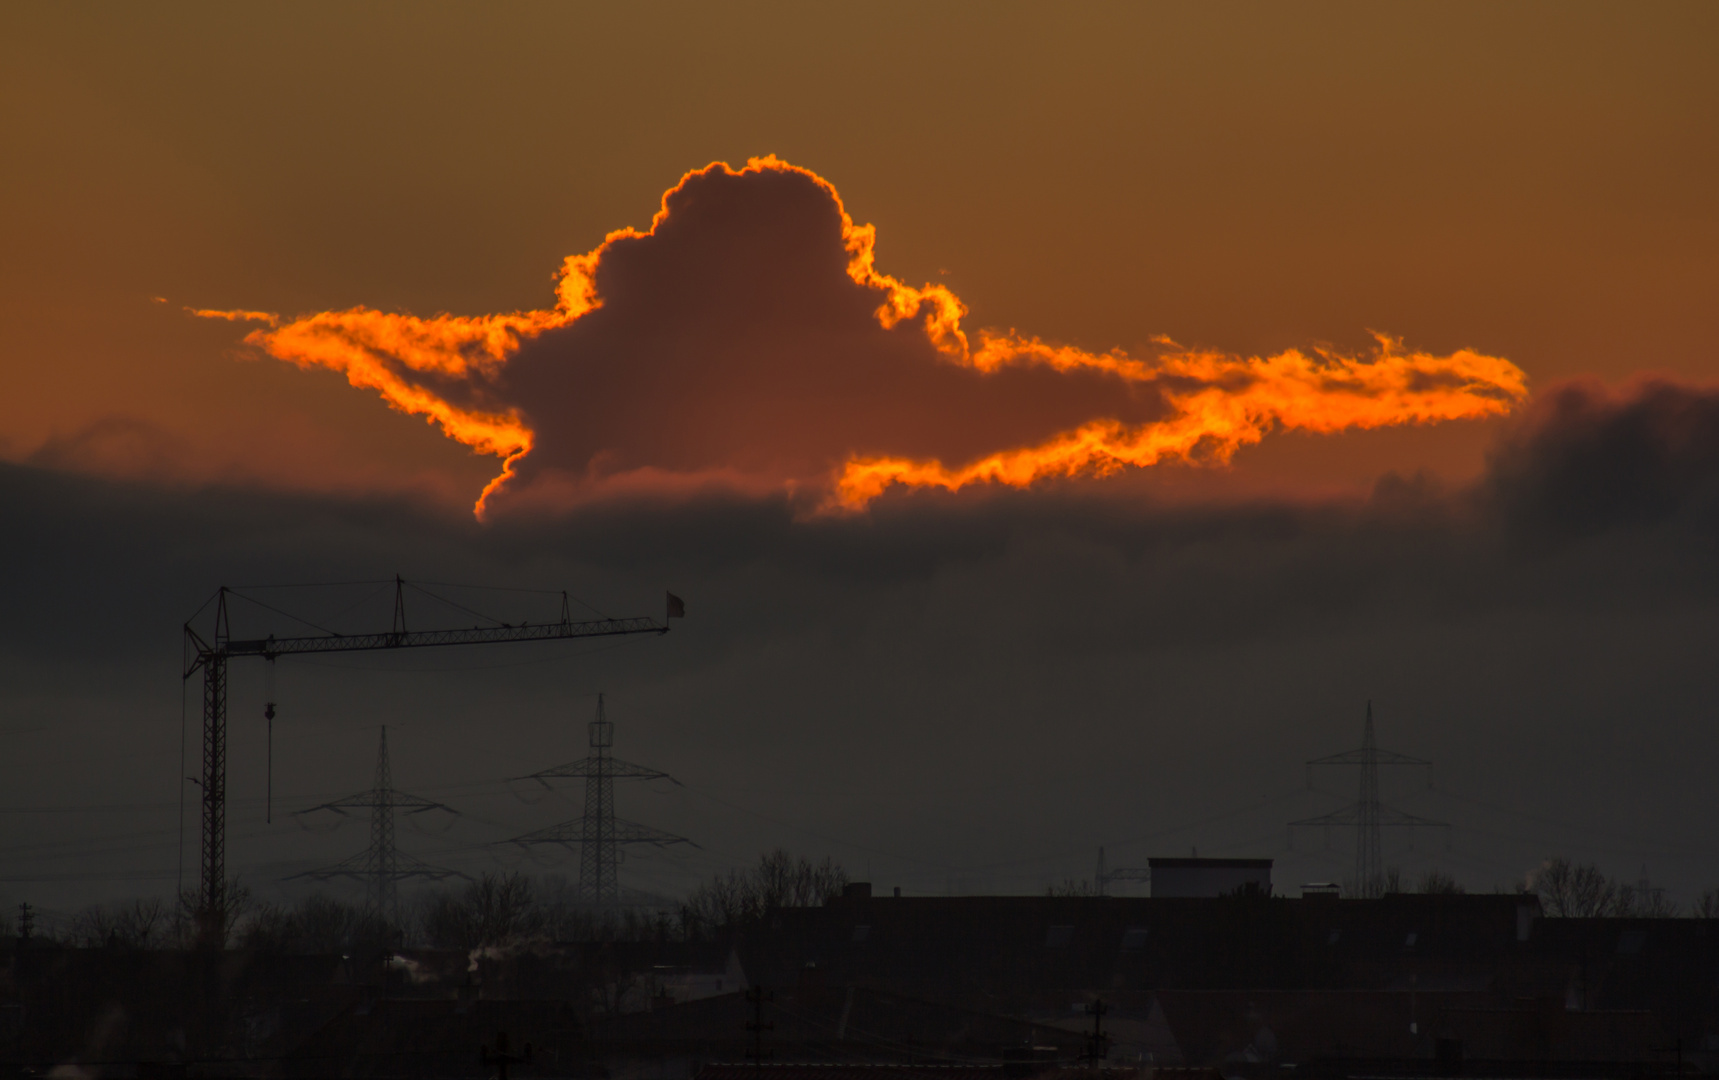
(599, 833)
(382, 866)
(1366, 815)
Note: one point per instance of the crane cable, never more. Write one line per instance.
(269, 715)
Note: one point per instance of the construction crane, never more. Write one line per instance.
(211, 657)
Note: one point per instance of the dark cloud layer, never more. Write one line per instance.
(955, 691)
(1583, 462)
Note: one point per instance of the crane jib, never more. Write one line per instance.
(552, 631)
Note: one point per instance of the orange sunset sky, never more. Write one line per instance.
(1532, 185)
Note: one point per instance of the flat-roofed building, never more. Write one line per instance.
(1208, 877)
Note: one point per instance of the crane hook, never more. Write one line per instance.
(269, 715)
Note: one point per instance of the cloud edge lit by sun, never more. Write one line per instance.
(1218, 402)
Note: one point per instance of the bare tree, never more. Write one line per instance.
(1653, 904)
(738, 897)
(1438, 883)
(1581, 891)
(90, 927)
(131, 924)
(785, 880)
(185, 924)
(566, 918)
(494, 910)
(1706, 905)
(317, 924)
(270, 928)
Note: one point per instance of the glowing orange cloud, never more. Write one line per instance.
(454, 370)
(392, 353)
(233, 316)
(1223, 403)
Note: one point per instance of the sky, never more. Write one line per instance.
(1060, 423)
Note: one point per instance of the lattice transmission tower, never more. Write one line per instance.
(1108, 875)
(1367, 815)
(599, 834)
(381, 866)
